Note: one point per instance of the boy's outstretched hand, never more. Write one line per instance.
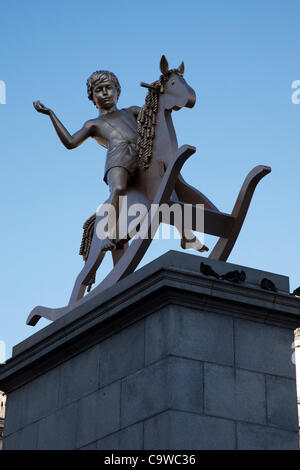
(41, 108)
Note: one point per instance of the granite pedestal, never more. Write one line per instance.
(167, 359)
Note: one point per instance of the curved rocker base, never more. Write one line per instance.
(227, 227)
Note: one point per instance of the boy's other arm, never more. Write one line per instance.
(68, 140)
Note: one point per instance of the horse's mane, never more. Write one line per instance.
(147, 120)
(147, 124)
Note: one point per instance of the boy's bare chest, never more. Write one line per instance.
(117, 126)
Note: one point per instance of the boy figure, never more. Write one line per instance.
(117, 131)
(114, 129)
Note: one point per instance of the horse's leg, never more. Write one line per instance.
(190, 195)
(95, 257)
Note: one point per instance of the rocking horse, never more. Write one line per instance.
(157, 181)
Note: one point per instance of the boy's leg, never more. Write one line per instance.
(117, 179)
(190, 195)
(189, 241)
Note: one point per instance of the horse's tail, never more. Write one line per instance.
(88, 231)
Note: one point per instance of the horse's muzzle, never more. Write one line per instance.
(192, 99)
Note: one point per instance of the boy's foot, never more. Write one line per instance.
(193, 244)
(108, 245)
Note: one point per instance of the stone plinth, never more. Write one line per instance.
(167, 359)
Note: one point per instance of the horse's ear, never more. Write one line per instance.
(164, 66)
(181, 68)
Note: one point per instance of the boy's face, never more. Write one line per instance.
(105, 95)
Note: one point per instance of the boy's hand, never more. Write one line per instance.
(41, 108)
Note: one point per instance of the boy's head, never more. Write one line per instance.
(99, 77)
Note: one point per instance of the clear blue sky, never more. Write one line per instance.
(241, 58)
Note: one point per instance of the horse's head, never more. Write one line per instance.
(176, 92)
(170, 92)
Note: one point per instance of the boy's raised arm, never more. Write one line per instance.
(69, 141)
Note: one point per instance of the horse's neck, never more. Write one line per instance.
(165, 143)
(164, 148)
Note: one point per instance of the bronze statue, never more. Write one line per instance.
(143, 163)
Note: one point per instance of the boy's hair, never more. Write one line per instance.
(98, 77)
